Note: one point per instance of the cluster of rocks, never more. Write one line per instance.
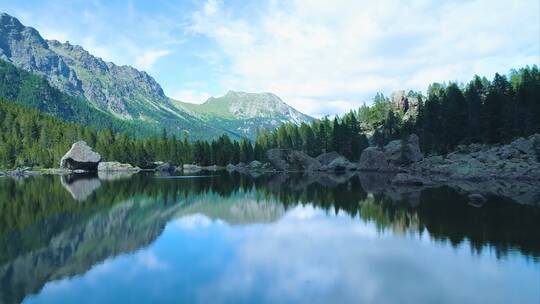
(392, 157)
(290, 160)
(81, 158)
(518, 160)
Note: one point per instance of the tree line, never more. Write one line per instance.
(481, 111)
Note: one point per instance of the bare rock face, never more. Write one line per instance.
(290, 160)
(80, 157)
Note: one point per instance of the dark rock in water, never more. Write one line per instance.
(165, 167)
(290, 160)
(80, 157)
(477, 200)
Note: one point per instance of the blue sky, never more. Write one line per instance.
(322, 57)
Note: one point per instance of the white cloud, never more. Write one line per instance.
(147, 59)
(313, 53)
(192, 96)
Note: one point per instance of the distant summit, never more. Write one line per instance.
(246, 112)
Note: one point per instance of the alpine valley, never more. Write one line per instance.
(76, 86)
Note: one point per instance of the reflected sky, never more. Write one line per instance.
(308, 255)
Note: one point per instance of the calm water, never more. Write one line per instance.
(269, 239)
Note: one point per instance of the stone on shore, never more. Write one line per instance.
(290, 160)
(80, 157)
(398, 154)
(189, 168)
(115, 166)
(165, 167)
(374, 159)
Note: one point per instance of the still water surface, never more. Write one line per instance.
(270, 239)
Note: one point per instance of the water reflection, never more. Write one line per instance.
(314, 235)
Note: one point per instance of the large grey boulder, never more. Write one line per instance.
(80, 157)
(399, 154)
(374, 159)
(290, 160)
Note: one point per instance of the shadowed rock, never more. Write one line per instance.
(80, 157)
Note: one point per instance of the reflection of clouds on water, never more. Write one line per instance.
(195, 221)
(310, 257)
(148, 260)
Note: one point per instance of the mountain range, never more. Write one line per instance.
(123, 95)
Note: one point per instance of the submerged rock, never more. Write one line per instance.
(80, 157)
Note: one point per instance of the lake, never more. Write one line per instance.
(230, 238)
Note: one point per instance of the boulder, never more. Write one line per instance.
(374, 159)
(255, 165)
(230, 167)
(326, 158)
(211, 168)
(398, 155)
(188, 168)
(290, 160)
(340, 164)
(116, 167)
(80, 157)
(165, 167)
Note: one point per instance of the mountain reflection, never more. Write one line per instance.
(56, 227)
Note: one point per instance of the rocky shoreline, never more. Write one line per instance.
(499, 169)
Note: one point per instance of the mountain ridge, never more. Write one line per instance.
(132, 95)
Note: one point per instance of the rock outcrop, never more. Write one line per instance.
(80, 157)
(517, 161)
(290, 160)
